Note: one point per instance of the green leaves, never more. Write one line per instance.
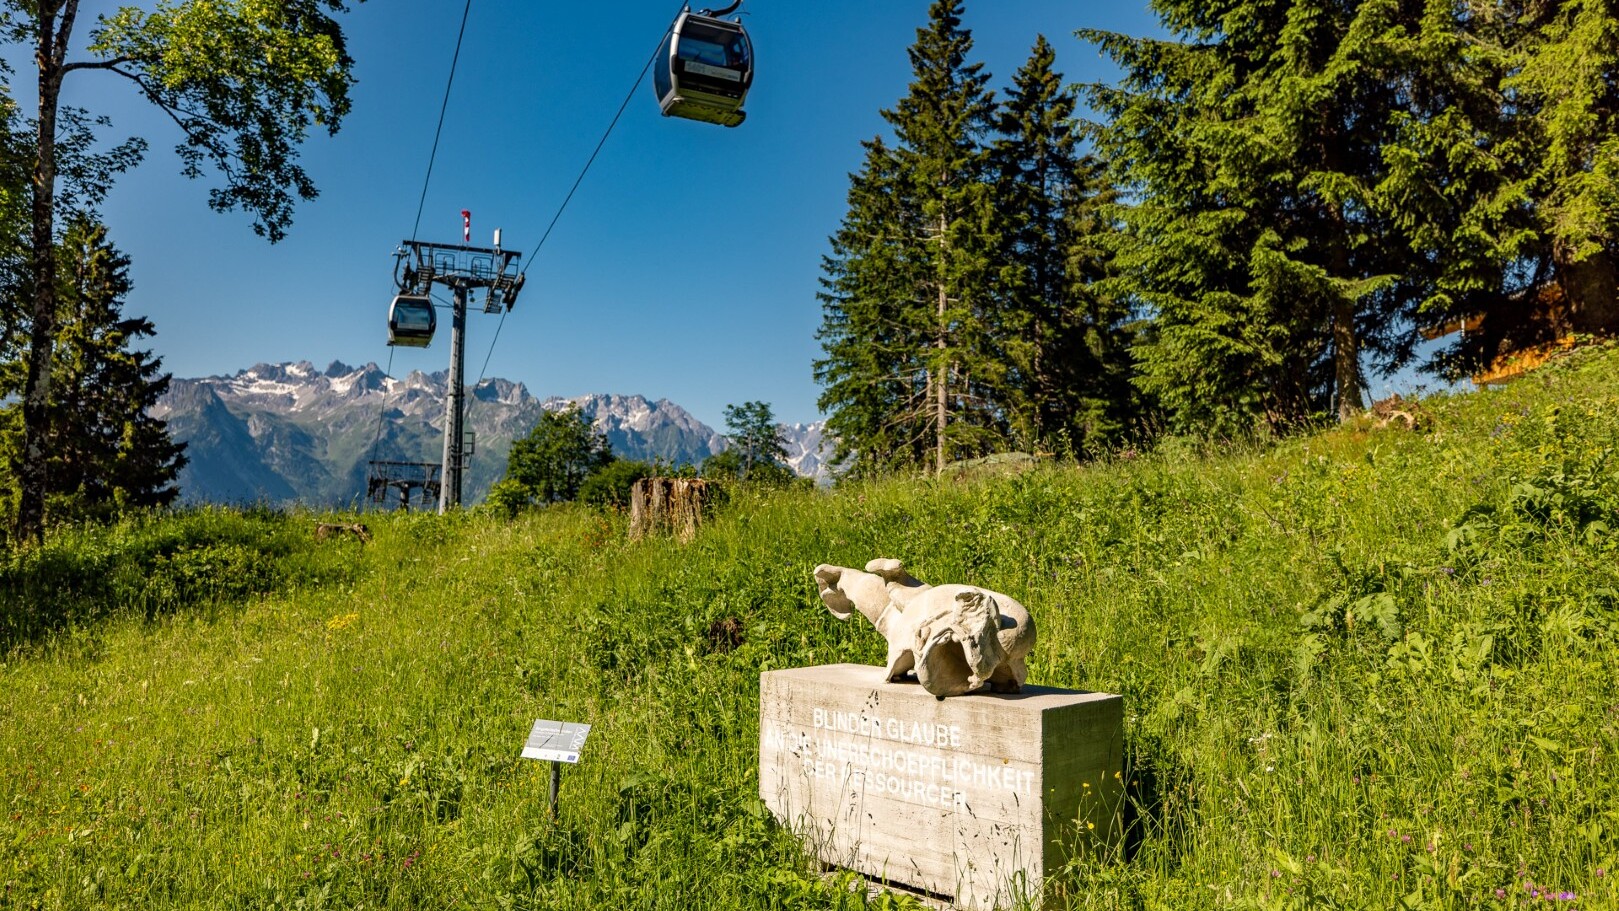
(551, 464)
(245, 80)
(962, 307)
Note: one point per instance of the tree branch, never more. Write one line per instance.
(99, 65)
(64, 31)
(222, 158)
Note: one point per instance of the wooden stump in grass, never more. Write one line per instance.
(668, 505)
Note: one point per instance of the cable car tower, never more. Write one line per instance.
(464, 270)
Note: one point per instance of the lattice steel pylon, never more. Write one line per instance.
(464, 270)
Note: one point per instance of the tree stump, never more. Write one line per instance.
(327, 530)
(668, 505)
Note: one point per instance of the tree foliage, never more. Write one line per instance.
(1312, 184)
(756, 451)
(243, 80)
(552, 462)
(1265, 231)
(108, 453)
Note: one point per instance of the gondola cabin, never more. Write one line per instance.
(411, 321)
(704, 70)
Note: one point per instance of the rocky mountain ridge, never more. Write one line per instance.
(292, 433)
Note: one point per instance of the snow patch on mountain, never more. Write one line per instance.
(293, 433)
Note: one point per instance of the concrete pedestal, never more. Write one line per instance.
(973, 797)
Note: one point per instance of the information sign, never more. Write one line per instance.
(557, 741)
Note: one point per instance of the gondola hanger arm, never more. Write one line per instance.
(723, 12)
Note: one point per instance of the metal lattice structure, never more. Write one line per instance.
(465, 270)
(406, 480)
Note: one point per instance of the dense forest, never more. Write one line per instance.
(1274, 205)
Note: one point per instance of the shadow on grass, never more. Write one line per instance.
(152, 567)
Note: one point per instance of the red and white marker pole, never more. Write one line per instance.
(466, 226)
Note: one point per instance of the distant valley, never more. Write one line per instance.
(292, 433)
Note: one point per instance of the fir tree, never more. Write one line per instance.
(908, 314)
(1264, 234)
(873, 329)
(108, 453)
(1062, 340)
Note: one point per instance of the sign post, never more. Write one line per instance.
(556, 742)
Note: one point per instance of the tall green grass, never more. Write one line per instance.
(1373, 668)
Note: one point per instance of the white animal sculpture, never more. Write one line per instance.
(956, 638)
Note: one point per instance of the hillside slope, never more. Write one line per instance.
(1373, 668)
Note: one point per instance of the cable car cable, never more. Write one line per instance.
(484, 372)
(630, 96)
(445, 107)
(569, 198)
(383, 412)
(581, 178)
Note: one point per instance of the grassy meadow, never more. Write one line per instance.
(1372, 668)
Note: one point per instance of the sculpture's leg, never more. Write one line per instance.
(1008, 676)
(901, 661)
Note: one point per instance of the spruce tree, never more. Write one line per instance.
(1063, 341)
(873, 328)
(1264, 235)
(108, 453)
(908, 312)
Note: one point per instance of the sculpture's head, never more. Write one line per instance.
(901, 584)
(844, 590)
(959, 648)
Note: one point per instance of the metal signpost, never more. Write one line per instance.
(557, 742)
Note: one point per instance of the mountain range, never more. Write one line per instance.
(291, 433)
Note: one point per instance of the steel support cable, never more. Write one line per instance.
(443, 109)
(382, 413)
(628, 97)
(623, 106)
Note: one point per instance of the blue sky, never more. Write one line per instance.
(686, 266)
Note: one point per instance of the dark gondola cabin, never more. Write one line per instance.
(411, 321)
(704, 70)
